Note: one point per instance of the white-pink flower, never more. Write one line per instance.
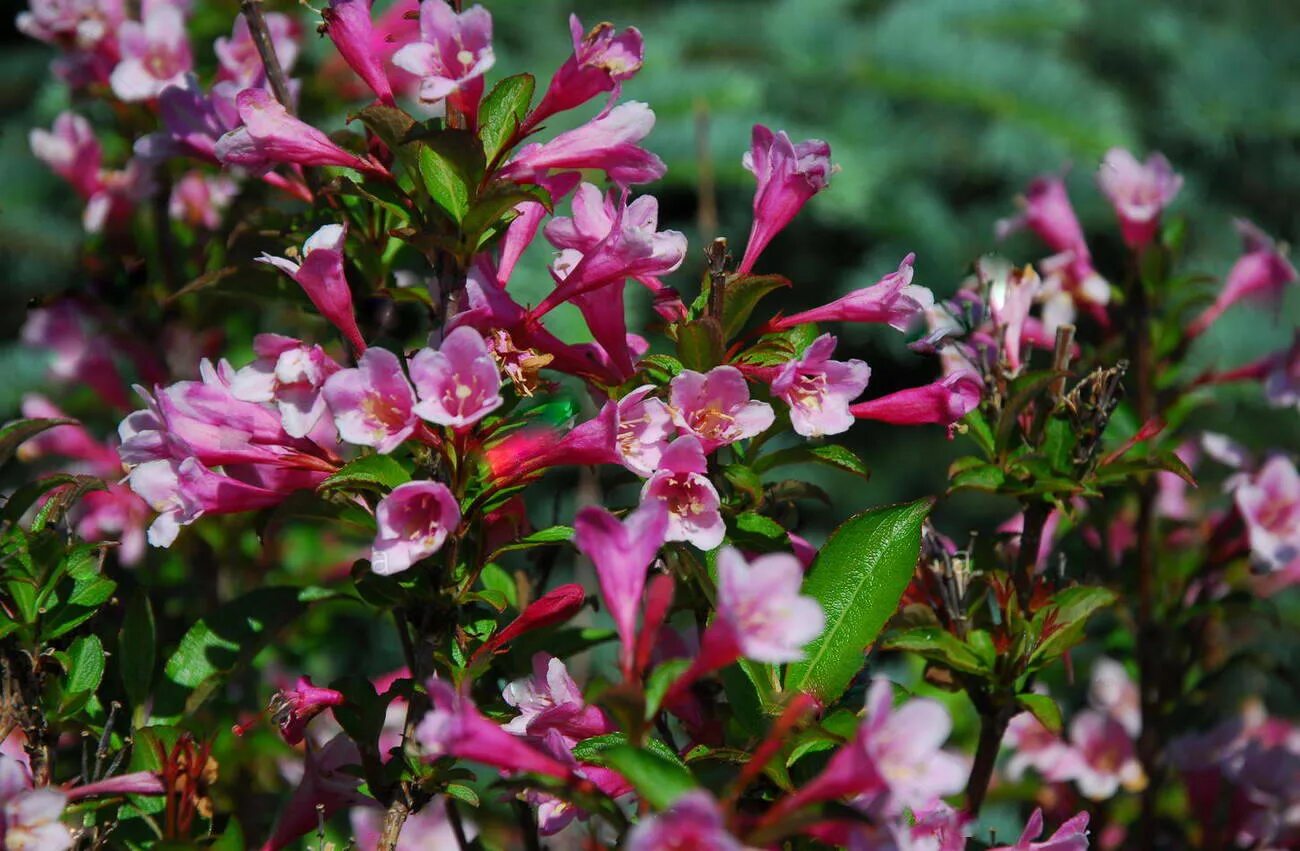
(1102, 757)
(551, 700)
(819, 390)
(692, 822)
(715, 407)
(1070, 836)
(373, 404)
(155, 52)
(760, 607)
(1138, 191)
(29, 818)
(643, 426)
(1269, 503)
(414, 521)
(682, 485)
(459, 383)
(289, 373)
(453, 53)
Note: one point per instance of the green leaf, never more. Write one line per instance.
(61, 500)
(389, 123)
(85, 666)
(1043, 708)
(541, 538)
(743, 293)
(699, 344)
(660, 369)
(461, 792)
(751, 530)
(858, 577)
(938, 645)
(744, 480)
(27, 495)
(215, 646)
(492, 205)
(657, 684)
(495, 578)
(90, 590)
(451, 165)
(829, 455)
(136, 648)
(659, 781)
(369, 472)
(1067, 612)
(19, 432)
(971, 473)
(502, 112)
(776, 349)
(979, 430)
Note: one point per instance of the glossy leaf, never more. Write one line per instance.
(19, 432)
(369, 472)
(743, 293)
(502, 111)
(658, 780)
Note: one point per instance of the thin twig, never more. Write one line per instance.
(252, 10)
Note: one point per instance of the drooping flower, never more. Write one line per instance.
(1261, 272)
(715, 407)
(237, 56)
(291, 374)
(459, 384)
(607, 142)
(692, 822)
(1139, 192)
(551, 700)
(455, 727)
(452, 55)
(292, 709)
(893, 301)
(414, 521)
(681, 483)
(602, 61)
(1070, 836)
(329, 784)
(349, 26)
(622, 551)
(198, 200)
(372, 404)
(819, 390)
(155, 52)
(529, 451)
(270, 135)
(1269, 503)
(643, 426)
(943, 402)
(320, 274)
(29, 817)
(788, 175)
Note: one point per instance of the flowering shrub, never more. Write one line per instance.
(706, 678)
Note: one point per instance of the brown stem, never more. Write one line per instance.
(394, 819)
(993, 725)
(252, 10)
(457, 825)
(717, 257)
(1031, 539)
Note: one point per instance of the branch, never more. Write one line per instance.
(252, 10)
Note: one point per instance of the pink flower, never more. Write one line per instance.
(329, 784)
(414, 521)
(321, 277)
(349, 26)
(459, 384)
(292, 709)
(77, 349)
(602, 60)
(86, 28)
(69, 441)
(455, 727)
(788, 175)
(1269, 503)
(453, 54)
(608, 142)
(155, 52)
(819, 390)
(113, 514)
(944, 402)
(893, 301)
(692, 822)
(372, 404)
(1139, 192)
(29, 818)
(622, 551)
(715, 407)
(1034, 746)
(682, 484)
(551, 700)
(1102, 757)
(522, 230)
(237, 55)
(1070, 836)
(192, 121)
(760, 610)
(290, 374)
(525, 452)
(1262, 272)
(270, 135)
(71, 151)
(1113, 692)
(198, 199)
(643, 426)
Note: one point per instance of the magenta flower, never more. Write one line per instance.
(329, 784)
(608, 142)
(682, 484)
(29, 817)
(819, 390)
(198, 200)
(452, 55)
(459, 384)
(551, 700)
(70, 441)
(192, 122)
(270, 135)
(602, 60)
(523, 229)
(788, 175)
(349, 26)
(1282, 377)
(525, 452)
(1112, 691)
(1011, 296)
(1034, 746)
(114, 514)
(715, 407)
(622, 551)
(943, 402)
(155, 52)
(1139, 192)
(237, 56)
(414, 521)
(1070, 836)
(1261, 272)
(372, 404)
(290, 374)
(320, 274)
(77, 349)
(761, 614)
(643, 426)
(693, 821)
(292, 709)
(71, 151)
(455, 727)
(1269, 503)
(1102, 757)
(86, 28)
(893, 301)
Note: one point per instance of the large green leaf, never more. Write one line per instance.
(136, 648)
(369, 472)
(659, 780)
(503, 110)
(858, 577)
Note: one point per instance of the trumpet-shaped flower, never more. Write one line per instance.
(788, 175)
(715, 407)
(682, 485)
(1138, 191)
(452, 55)
(643, 427)
(373, 404)
(293, 709)
(237, 56)
(1102, 757)
(761, 613)
(71, 151)
(320, 274)
(819, 390)
(551, 700)
(692, 822)
(602, 60)
(29, 817)
(459, 384)
(893, 301)
(350, 27)
(1269, 503)
(290, 374)
(414, 521)
(1261, 272)
(608, 142)
(943, 402)
(155, 53)
(1070, 836)
(198, 200)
